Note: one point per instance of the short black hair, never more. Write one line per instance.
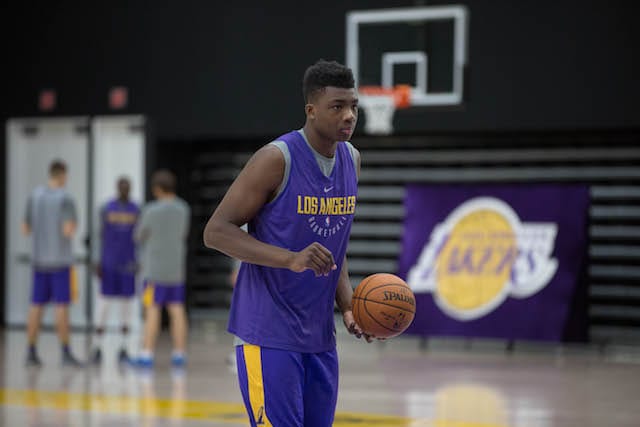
(165, 180)
(325, 73)
(57, 168)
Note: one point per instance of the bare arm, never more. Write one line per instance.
(141, 230)
(344, 291)
(254, 187)
(344, 294)
(26, 229)
(26, 221)
(69, 215)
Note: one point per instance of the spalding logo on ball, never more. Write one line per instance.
(383, 305)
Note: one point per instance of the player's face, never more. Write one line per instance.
(63, 178)
(336, 113)
(123, 188)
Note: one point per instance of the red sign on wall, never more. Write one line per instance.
(118, 97)
(47, 100)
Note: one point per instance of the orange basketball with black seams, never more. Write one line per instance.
(383, 305)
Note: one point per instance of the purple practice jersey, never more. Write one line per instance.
(118, 248)
(275, 307)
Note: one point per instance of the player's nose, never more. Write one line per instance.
(350, 115)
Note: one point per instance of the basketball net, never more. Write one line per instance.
(380, 104)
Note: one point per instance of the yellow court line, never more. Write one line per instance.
(220, 412)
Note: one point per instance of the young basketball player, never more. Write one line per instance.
(162, 232)
(117, 264)
(298, 195)
(52, 220)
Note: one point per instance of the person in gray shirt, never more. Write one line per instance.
(51, 218)
(161, 234)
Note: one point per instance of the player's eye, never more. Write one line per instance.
(337, 107)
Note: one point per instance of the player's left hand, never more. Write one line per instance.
(353, 327)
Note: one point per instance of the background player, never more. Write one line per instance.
(162, 233)
(52, 219)
(298, 196)
(117, 264)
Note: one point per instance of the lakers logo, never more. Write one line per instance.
(482, 254)
(260, 416)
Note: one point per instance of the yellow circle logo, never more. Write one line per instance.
(472, 269)
(480, 255)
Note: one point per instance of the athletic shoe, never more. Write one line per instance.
(96, 358)
(123, 357)
(69, 360)
(178, 361)
(33, 360)
(142, 362)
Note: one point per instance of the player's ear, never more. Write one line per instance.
(310, 111)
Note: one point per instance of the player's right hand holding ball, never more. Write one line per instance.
(353, 327)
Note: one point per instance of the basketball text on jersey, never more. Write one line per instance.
(481, 254)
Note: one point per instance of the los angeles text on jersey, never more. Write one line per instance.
(312, 205)
(121, 217)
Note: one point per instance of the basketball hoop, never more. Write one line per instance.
(380, 104)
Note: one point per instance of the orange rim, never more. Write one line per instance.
(401, 93)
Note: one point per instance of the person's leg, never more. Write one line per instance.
(104, 302)
(64, 292)
(126, 294)
(152, 298)
(62, 323)
(33, 329)
(40, 295)
(102, 310)
(321, 388)
(125, 316)
(178, 321)
(33, 323)
(271, 383)
(151, 327)
(174, 300)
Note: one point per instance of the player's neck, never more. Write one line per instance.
(324, 146)
(54, 184)
(166, 196)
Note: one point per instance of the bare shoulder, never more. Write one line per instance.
(266, 165)
(269, 155)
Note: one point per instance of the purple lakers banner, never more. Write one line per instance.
(494, 261)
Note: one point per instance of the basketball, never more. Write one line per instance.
(383, 305)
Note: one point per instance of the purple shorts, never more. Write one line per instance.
(58, 286)
(155, 293)
(285, 388)
(116, 283)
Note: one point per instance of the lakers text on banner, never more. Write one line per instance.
(494, 261)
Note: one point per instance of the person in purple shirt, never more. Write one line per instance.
(298, 196)
(116, 265)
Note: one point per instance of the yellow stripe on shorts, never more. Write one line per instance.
(147, 296)
(73, 284)
(253, 363)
